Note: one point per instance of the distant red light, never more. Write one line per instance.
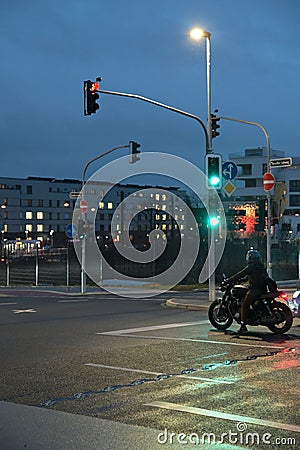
(94, 86)
(284, 296)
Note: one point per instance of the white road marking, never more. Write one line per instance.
(222, 415)
(197, 340)
(154, 327)
(157, 373)
(11, 303)
(19, 311)
(72, 301)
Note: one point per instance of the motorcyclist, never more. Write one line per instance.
(257, 276)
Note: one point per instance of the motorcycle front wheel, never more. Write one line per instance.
(282, 312)
(219, 317)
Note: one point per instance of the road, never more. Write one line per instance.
(152, 376)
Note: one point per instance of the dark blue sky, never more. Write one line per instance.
(49, 47)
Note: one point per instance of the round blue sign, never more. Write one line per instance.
(71, 231)
(229, 170)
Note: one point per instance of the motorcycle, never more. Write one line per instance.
(266, 310)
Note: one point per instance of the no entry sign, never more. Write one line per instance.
(269, 181)
(83, 206)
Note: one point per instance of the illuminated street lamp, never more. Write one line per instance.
(197, 34)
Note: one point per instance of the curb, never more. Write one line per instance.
(173, 304)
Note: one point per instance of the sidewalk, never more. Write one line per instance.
(201, 303)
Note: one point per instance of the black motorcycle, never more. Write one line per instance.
(266, 310)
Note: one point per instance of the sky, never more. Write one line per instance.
(48, 48)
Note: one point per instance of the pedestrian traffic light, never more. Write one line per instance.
(213, 169)
(90, 97)
(214, 125)
(133, 152)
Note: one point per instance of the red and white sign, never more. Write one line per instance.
(83, 206)
(269, 181)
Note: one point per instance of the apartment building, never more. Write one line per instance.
(37, 208)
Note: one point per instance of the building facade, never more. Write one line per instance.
(285, 197)
(41, 209)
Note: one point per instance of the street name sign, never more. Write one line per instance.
(281, 162)
(74, 194)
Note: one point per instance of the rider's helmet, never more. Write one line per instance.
(253, 256)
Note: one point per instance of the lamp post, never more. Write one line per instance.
(197, 34)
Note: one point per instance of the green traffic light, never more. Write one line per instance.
(214, 221)
(214, 181)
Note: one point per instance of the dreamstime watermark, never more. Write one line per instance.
(167, 211)
(239, 436)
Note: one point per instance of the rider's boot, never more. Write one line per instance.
(243, 329)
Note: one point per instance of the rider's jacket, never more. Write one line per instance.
(256, 274)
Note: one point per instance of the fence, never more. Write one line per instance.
(60, 267)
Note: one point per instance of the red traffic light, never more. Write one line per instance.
(90, 97)
(95, 86)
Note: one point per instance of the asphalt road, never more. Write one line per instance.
(103, 372)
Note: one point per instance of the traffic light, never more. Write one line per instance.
(213, 169)
(213, 221)
(214, 125)
(261, 221)
(133, 152)
(90, 97)
(81, 229)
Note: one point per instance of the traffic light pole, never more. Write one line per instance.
(268, 195)
(84, 219)
(208, 149)
(163, 105)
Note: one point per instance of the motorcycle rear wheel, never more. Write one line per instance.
(282, 310)
(220, 319)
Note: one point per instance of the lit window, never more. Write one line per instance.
(182, 217)
(109, 205)
(164, 207)
(5, 228)
(163, 197)
(157, 196)
(164, 217)
(164, 226)
(39, 215)
(28, 215)
(40, 228)
(28, 227)
(157, 217)
(101, 205)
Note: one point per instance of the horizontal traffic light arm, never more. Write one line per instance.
(162, 105)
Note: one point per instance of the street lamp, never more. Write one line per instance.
(197, 34)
